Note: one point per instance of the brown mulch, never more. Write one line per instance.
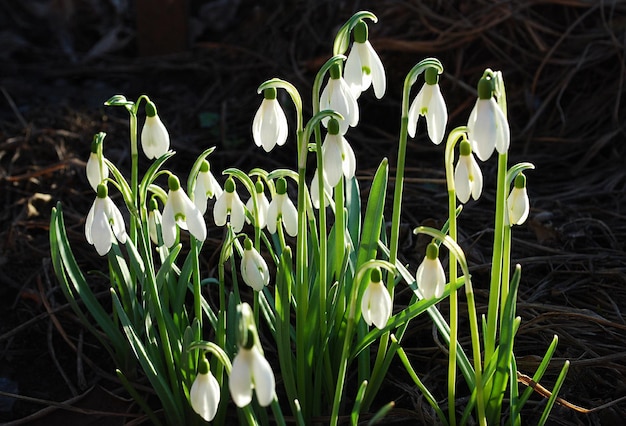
(563, 64)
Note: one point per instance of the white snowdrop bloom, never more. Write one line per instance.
(269, 127)
(155, 140)
(180, 211)
(315, 191)
(206, 187)
(487, 126)
(104, 221)
(95, 173)
(154, 221)
(204, 394)
(337, 96)
(376, 302)
(282, 209)
(518, 204)
(430, 104)
(338, 156)
(363, 66)
(251, 371)
(253, 267)
(468, 179)
(229, 205)
(263, 204)
(430, 277)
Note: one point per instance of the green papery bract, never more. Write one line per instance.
(430, 278)
(251, 371)
(269, 126)
(155, 140)
(204, 396)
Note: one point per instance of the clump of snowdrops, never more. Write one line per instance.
(321, 269)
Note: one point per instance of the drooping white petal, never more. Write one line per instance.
(353, 72)
(476, 177)
(254, 269)
(204, 396)
(482, 128)
(462, 180)
(289, 216)
(332, 158)
(115, 220)
(503, 131)
(154, 217)
(376, 305)
(272, 215)
(518, 206)
(262, 205)
(237, 213)
(155, 140)
(415, 111)
(430, 278)
(263, 377)
(168, 226)
(337, 96)
(101, 233)
(379, 80)
(240, 380)
(269, 126)
(206, 187)
(89, 222)
(348, 159)
(437, 115)
(315, 193)
(195, 221)
(220, 209)
(94, 175)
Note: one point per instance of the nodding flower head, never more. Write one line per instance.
(269, 127)
(250, 370)
(253, 267)
(468, 179)
(206, 187)
(339, 158)
(430, 277)
(229, 205)
(337, 96)
(104, 220)
(430, 104)
(518, 204)
(96, 169)
(376, 302)
(363, 66)
(204, 394)
(487, 126)
(180, 211)
(262, 204)
(155, 140)
(282, 209)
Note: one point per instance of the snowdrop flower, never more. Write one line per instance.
(430, 276)
(337, 154)
(487, 125)
(97, 170)
(253, 267)
(227, 204)
(250, 370)
(206, 187)
(376, 302)
(262, 202)
(154, 220)
(518, 204)
(179, 210)
(429, 103)
(103, 221)
(315, 191)
(269, 126)
(155, 140)
(204, 394)
(337, 96)
(282, 208)
(468, 179)
(363, 66)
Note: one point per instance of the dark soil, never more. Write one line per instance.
(563, 64)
